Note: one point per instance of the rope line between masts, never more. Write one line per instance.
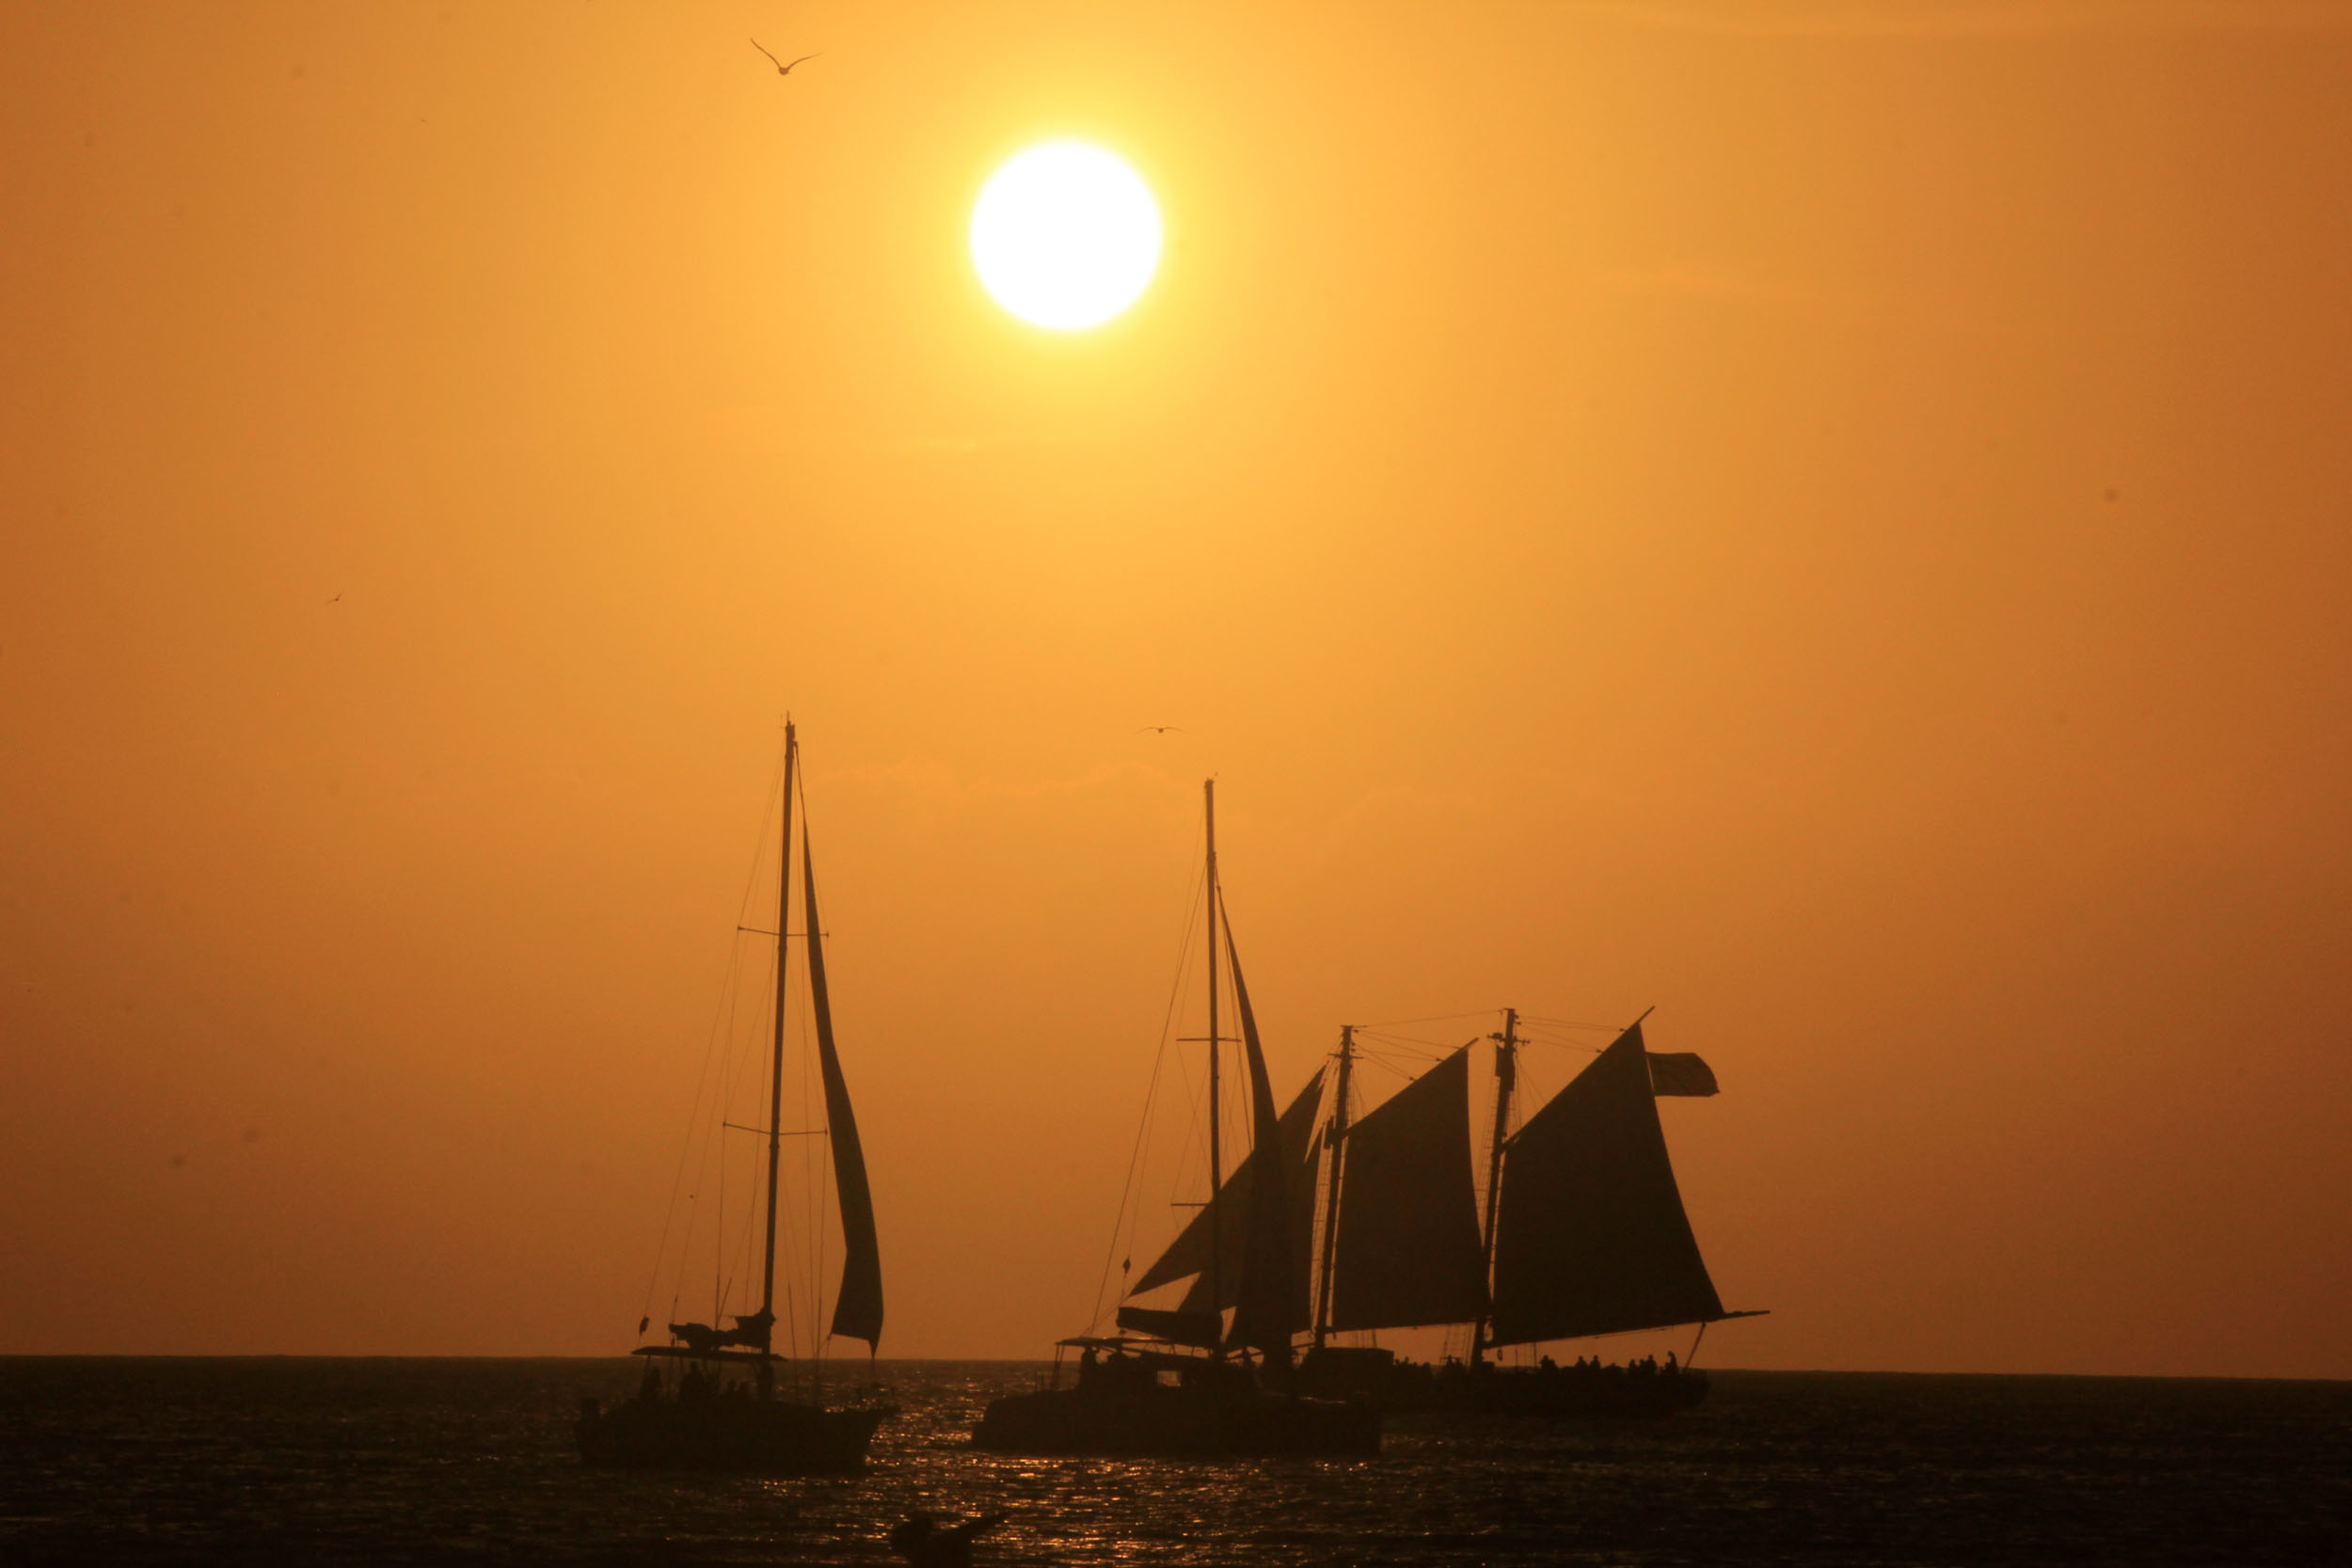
(1178, 988)
(724, 1009)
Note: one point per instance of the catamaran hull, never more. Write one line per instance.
(1178, 1423)
(768, 1438)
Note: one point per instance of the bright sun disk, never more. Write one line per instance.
(1065, 235)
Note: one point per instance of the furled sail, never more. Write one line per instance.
(1183, 1326)
(1188, 1254)
(1273, 1304)
(857, 1311)
(1592, 1237)
(1408, 1248)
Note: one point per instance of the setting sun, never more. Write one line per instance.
(1065, 235)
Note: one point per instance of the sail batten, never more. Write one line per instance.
(1592, 1237)
(857, 1311)
(1408, 1250)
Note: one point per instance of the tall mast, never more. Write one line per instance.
(775, 1067)
(1216, 1165)
(1507, 1074)
(1337, 1141)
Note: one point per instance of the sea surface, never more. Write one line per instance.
(360, 1462)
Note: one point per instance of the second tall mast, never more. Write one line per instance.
(1217, 1165)
(775, 1066)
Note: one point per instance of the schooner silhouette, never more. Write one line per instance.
(1583, 1233)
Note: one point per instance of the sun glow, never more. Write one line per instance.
(1065, 235)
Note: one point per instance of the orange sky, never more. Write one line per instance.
(1828, 518)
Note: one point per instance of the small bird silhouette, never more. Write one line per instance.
(1161, 729)
(338, 598)
(782, 69)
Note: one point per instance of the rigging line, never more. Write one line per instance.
(1129, 1214)
(1433, 1017)
(1422, 1059)
(726, 986)
(751, 1209)
(1417, 1041)
(1195, 1142)
(724, 1091)
(1143, 1123)
(1423, 1050)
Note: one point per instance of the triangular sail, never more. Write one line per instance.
(1188, 1254)
(857, 1311)
(1592, 1237)
(1409, 1250)
(1273, 1304)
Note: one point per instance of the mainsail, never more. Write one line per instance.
(857, 1311)
(1273, 1302)
(1188, 1254)
(1408, 1248)
(1592, 1237)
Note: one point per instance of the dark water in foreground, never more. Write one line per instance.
(369, 1462)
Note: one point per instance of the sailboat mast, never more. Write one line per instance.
(1507, 1074)
(775, 1066)
(1216, 1164)
(1336, 1140)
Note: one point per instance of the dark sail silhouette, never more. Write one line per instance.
(1188, 1254)
(1592, 1237)
(1583, 1234)
(1181, 1382)
(1408, 1250)
(1272, 1304)
(710, 1398)
(857, 1309)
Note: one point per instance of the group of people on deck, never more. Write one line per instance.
(1591, 1367)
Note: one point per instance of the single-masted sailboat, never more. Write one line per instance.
(710, 1398)
(1187, 1382)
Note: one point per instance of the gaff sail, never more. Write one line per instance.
(1592, 1237)
(857, 1309)
(1409, 1250)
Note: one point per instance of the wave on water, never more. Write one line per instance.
(386, 1461)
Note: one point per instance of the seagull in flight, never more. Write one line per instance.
(782, 69)
(1161, 729)
(338, 598)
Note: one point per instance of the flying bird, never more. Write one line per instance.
(338, 598)
(782, 69)
(1161, 729)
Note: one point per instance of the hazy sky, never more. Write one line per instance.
(1830, 519)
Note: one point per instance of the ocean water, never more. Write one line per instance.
(429, 1461)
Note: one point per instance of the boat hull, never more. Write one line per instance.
(1175, 1423)
(1592, 1392)
(724, 1431)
